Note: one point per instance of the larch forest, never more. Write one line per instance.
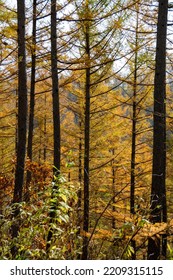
(86, 130)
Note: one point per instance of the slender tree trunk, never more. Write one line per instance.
(22, 119)
(55, 88)
(16, 126)
(56, 114)
(87, 141)
(45, 130)
(134, 122)
(158, 191)
(32, 100)
(113, 188)
(40, 147)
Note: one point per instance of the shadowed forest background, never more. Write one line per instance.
(86, 122)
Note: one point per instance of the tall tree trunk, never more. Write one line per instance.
(22, 119)
(86, 139)
(56, 114)
(16, 126)
(55, 88)
(158, 191)
(45, 130)
(113, 188)
(134, 122)
(32, 100)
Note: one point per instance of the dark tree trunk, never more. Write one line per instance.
(158, 191)
(134, 122)
(86, 143)
(113, 188)
(45, 130)
(56, 115)
(22, 119)
(32, 100)
(55, 88)
(16, 126)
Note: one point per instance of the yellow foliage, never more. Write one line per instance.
(99, 234)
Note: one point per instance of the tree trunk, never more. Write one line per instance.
(55, 88)
(56, 115)
(22, 119)
(86, 142)
(32, 100)
(45, 130)
(113, 189)
(134, 122)
(158, 191)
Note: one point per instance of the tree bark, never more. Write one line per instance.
(87, 140)
(32, 100)
(158, 191)
(55, 88)
(56, 115)
(134, 123)
(22, 119)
